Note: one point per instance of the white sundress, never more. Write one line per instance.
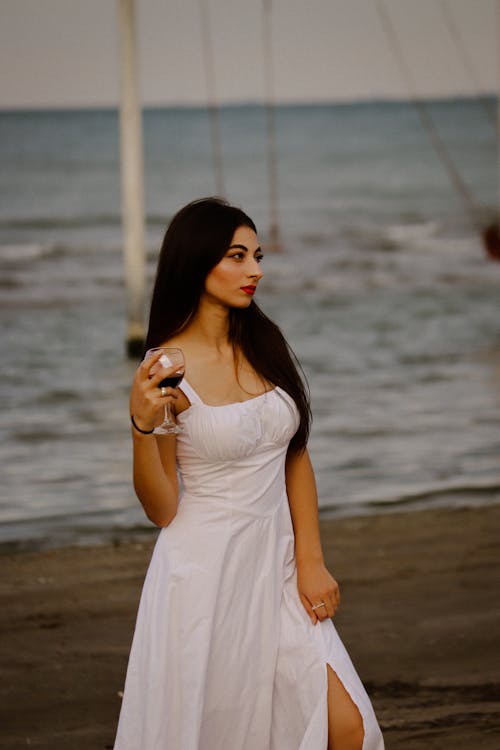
(224, 655)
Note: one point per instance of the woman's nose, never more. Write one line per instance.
(255, 271)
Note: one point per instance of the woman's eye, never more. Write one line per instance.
(241, 256)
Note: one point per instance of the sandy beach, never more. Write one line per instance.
(420, 616)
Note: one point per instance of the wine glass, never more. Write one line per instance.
(171, 357)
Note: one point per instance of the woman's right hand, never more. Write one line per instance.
(147, 405)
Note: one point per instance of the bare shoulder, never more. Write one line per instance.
(183, 341)
(174, 342)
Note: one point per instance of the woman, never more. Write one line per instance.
(234, 648)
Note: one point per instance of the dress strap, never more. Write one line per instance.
(190, 392)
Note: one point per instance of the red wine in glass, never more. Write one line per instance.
(171, 382)
(171, 358)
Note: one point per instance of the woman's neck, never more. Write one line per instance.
(210, 326)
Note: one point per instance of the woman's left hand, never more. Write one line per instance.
(316, 585)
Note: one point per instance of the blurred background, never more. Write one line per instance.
(376, 123)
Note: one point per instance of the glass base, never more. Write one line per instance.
(168, 429)
(168, 426)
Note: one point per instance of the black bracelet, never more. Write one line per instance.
(143, 432)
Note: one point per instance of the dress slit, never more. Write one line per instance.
(349, 693)
(372, 736)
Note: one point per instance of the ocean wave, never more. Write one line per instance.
(76, 222)
(449, 495)
(433, 237)
(402, 234)
(431, 493)
(28, 252)
(76, 526)
(59, 222)
(25, 253)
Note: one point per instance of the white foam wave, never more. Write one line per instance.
(401, 234)
(20, 253)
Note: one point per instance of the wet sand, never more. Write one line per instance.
(420, 616)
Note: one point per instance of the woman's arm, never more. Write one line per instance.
(314, 582)
(155, 476)
(154, 469)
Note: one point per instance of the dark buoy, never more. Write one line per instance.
(491, 241)
(135, 348)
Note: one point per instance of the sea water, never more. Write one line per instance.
(382, 288)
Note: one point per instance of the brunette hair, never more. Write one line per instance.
(195, 241)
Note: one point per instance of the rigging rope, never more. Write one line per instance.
(272, 171)
(425, 117)
(213, 113)
(458, 39)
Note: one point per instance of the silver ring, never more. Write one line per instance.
(163, 391)
(317, 606)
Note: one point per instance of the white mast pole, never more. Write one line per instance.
(213, 114)
(132, 179)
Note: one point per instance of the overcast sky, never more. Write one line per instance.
(64, 52)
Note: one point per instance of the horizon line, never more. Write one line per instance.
(386, 99)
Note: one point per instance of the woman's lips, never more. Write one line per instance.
(248, 289)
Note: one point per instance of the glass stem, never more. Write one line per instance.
(168, 415)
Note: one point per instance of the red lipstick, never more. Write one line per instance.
(250, 289)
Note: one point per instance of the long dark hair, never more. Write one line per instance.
(196, 240)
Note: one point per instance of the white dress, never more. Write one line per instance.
(224, 655)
